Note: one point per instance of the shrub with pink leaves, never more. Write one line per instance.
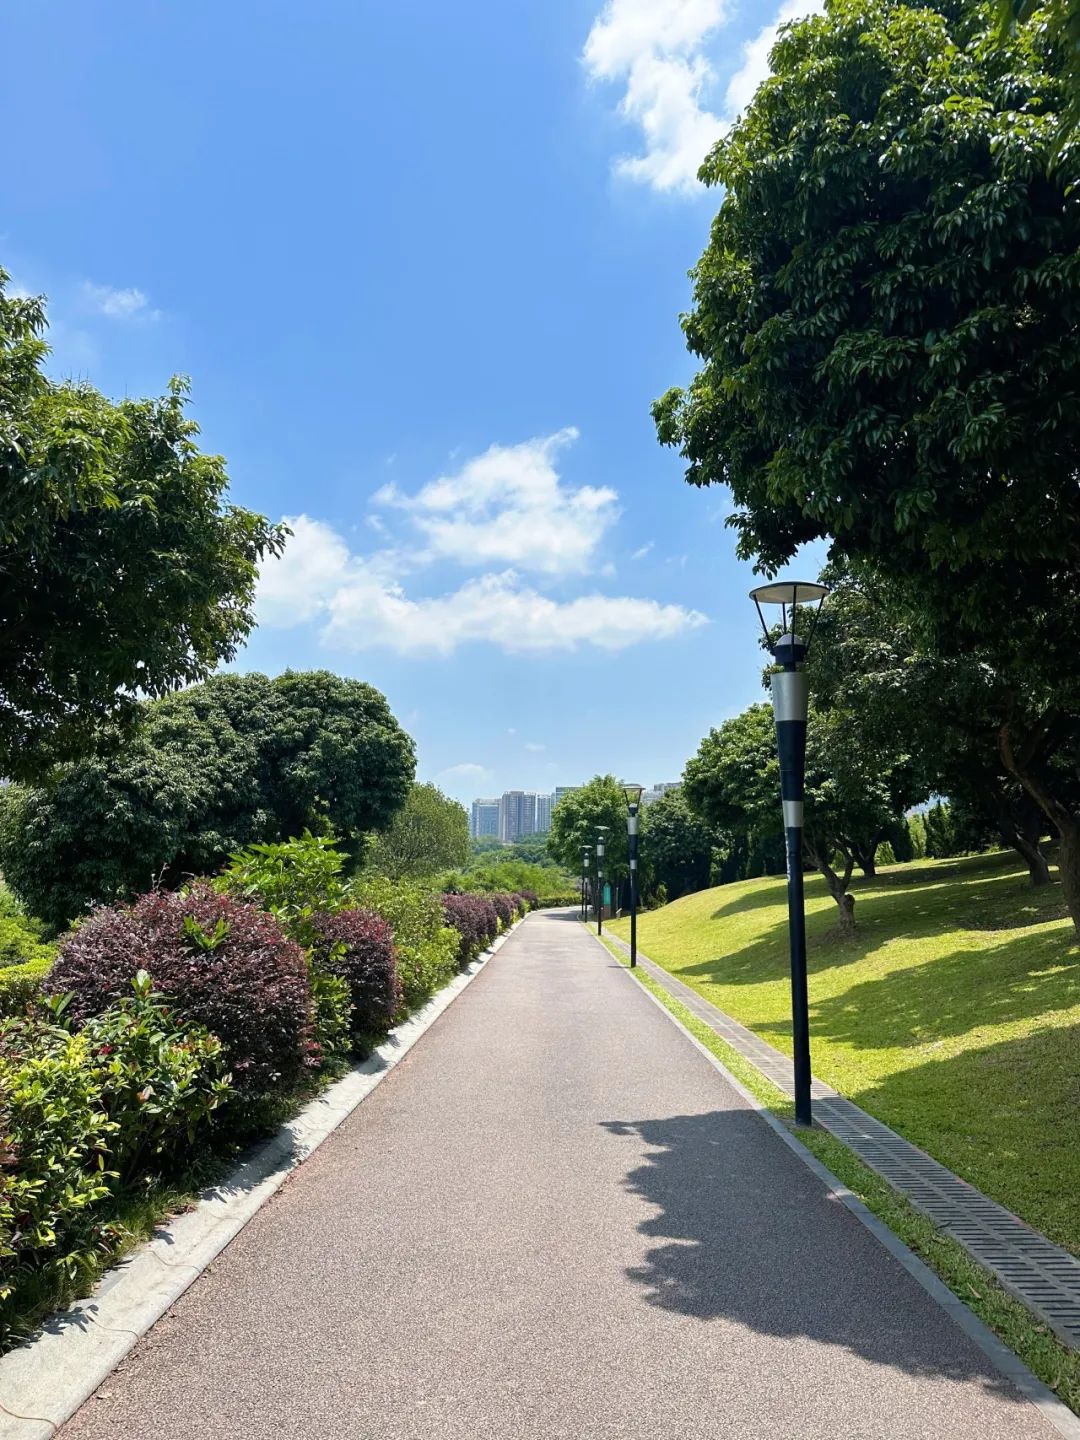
(358, 946)
(222, 963)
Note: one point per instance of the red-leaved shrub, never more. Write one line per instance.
(475, 919)
(505, 908)
(222, 963)
(358, 945)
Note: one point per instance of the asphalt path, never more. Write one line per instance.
(555, 1219)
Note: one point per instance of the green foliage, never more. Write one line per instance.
(676, 847)
(1060, 23)
(532, 849)
(161, 1079)
(293, 879)
(428, 834)
(21, 943)
(574, 823)
(123, 569)
(81, 1112)
(236, 761)
(427, 948)
(548, 883)
(19, 984)
(333, 1006)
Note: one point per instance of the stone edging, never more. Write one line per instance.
(1053, 1410)
(44, 1381)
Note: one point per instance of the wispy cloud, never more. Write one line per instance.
(660, 50)
(642, 551)
(116, 304)
(362, 604)
(535, 748)
(510, 506)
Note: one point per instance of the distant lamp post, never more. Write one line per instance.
(790, 698)
(601, 831)
(586, 851)
(633, 802)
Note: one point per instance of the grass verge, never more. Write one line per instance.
(1010, 1320)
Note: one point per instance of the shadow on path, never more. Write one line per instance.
(745, 1232)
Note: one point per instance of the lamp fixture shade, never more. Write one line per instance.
(789, 647)
(633, 794)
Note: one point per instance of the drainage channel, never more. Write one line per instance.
(1038, 1272)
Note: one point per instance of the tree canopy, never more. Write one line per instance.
(886, 317)
(236, 760)
(574, 823)
(429, 833)
(676, 847)
(123, 569)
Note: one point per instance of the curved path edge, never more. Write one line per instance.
(1055, 1411)
(45, 1380)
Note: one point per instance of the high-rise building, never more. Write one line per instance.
(484, 819)
(561, 790)
(544, 806)
(517, 815)
(663, 787)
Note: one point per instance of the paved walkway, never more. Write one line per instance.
(554, 1219)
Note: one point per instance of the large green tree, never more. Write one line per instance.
(574, 823)
(855, 792)
(429, 833)
(677, 846)
(122, 567)
(235, 760)
(886, 316)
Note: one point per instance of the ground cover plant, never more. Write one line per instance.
(953, 1015)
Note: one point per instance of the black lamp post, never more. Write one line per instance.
(790, 698)
(633, 802)
(586, 851)
(601, 831)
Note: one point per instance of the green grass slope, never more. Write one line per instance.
(954, 1016)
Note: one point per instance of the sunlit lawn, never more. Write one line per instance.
(954, 1017)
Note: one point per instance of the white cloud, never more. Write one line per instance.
(467, 770)
(118, 304)
(755, 66)
(363, 605)
(509, 506)
(534, 747)
(660, 50)
(657, 48)
(642, 551)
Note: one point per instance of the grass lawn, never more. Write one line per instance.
(954, 1016)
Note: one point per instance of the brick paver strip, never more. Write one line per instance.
(1038, 1272)
(556, 1220)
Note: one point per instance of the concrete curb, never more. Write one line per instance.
(45, 1380)
(1053, 1410)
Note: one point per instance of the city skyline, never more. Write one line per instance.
(518, 813)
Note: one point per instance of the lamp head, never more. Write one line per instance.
(633, 795)
(790, 647)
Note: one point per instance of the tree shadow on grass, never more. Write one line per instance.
(744, 1231)
(1005, 1116)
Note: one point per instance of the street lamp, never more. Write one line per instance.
(633, 801)
(790, 698)
(586, 851)
(601, 831)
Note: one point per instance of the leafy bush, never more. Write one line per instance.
(222, 963)
(358, 947)
(333, 1016)
(20, 983)
(530, 899)
(161, 1080)
(292, 879)
(83, 1111)
(426, 949)
(21, 943)
(475, 922)
(505, 909)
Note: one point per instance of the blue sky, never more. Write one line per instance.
(424, 264)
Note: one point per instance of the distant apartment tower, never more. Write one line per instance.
(664, 787)
(517, 815)
(544, 806)
(561, 790)
(484, 819)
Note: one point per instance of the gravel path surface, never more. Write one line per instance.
(554, 1219)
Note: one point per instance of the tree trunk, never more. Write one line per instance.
(1063, 819)
(1036, 861)
(838, 888)
(1019, 825)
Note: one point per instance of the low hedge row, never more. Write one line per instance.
(165, 1024)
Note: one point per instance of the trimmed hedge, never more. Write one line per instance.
(358, 946)
(426, 948)
(20, 983)
(223, 964)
